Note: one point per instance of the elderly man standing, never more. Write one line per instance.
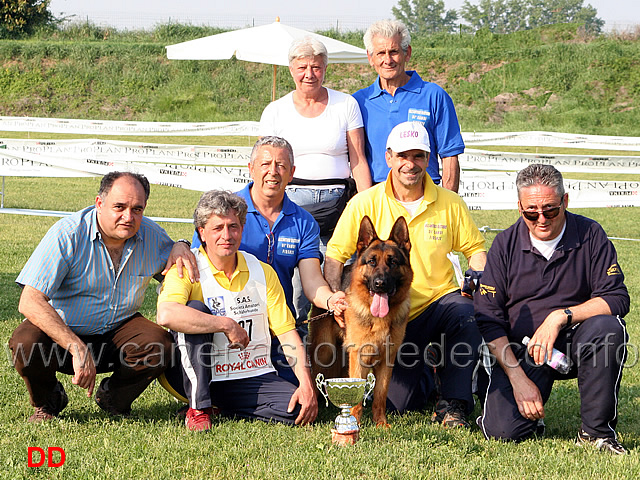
(223, 323)
(439, 222)
(82, 288)
(552, 276)
(399, 96)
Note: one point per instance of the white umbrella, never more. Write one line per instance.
(264, 44)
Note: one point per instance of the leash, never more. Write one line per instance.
(317, 317)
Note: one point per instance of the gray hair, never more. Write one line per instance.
(221, 203)
(539, 174)
(387, 29)
(273, 141)
(307, 47)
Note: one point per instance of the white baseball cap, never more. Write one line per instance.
(408, 136)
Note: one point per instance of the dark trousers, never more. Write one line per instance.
(448, 324)
(265, 397)
(136, 351)
(597, 349)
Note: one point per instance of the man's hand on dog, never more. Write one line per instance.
(338, 304)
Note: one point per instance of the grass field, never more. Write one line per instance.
(153, 444)
(550, 78)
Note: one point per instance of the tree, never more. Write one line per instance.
(425, 16)
(506, 16)
(20, 17)
(548, 12)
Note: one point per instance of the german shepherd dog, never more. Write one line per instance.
(377, 289)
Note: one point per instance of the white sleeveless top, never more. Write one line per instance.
(249, 309)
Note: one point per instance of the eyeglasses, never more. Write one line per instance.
(548, 213)
(270, 246)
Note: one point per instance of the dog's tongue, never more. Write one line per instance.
(380, 305)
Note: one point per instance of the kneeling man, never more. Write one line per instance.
(222, 324)
(552, 276)
(82, 288)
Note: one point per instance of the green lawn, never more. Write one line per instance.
(154, 444)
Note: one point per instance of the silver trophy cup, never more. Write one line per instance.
(346, 393)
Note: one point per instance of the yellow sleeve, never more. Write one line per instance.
(343, 242)
(280, 318)
(469, 239)
(180, 290)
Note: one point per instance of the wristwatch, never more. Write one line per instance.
(569, 315)
(183, 240)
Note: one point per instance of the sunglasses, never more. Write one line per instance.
(270, 247)
(549, 213)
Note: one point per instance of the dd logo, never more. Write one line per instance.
(31, 462)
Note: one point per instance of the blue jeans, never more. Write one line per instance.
(302, 196)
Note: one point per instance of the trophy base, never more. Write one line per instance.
(344, 438)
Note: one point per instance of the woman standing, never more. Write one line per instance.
(326, 132)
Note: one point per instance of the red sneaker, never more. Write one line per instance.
(198, 420)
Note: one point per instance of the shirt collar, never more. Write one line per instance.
(413, 85)
(240, 267)
(430, 189)
(288, 207)
(570, 239)
(94, 232)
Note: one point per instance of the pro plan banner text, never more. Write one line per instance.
(484, 183)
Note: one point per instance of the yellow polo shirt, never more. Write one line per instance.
(442, 224)
(181, 290)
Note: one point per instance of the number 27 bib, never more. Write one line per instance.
(249, 309)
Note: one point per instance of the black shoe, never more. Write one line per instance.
(105, 402)
(606, 444)
(55, 404)
(451, 414)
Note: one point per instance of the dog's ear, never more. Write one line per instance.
(400, 235)
(366, 235)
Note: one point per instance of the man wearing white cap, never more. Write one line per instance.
(439, 222)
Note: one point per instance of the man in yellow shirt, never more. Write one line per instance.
(222, 327)
(439, 222)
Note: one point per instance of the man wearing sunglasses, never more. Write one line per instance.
(552, 276)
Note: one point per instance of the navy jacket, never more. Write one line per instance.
(520, 287)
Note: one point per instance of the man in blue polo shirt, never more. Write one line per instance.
(82, 288)
(282, 234)
(399, 96)
(553, 276)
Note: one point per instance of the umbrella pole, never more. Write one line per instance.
(273, 88)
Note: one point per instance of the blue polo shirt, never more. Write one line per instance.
(294, 237)
(71, 266)
(520, 287)
(418, 101)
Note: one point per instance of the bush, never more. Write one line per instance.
(23, 17)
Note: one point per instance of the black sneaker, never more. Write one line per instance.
(55, 404)
(451, 414)
(606, 444)
(105, 402)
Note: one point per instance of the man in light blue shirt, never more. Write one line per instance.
(82, 288)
